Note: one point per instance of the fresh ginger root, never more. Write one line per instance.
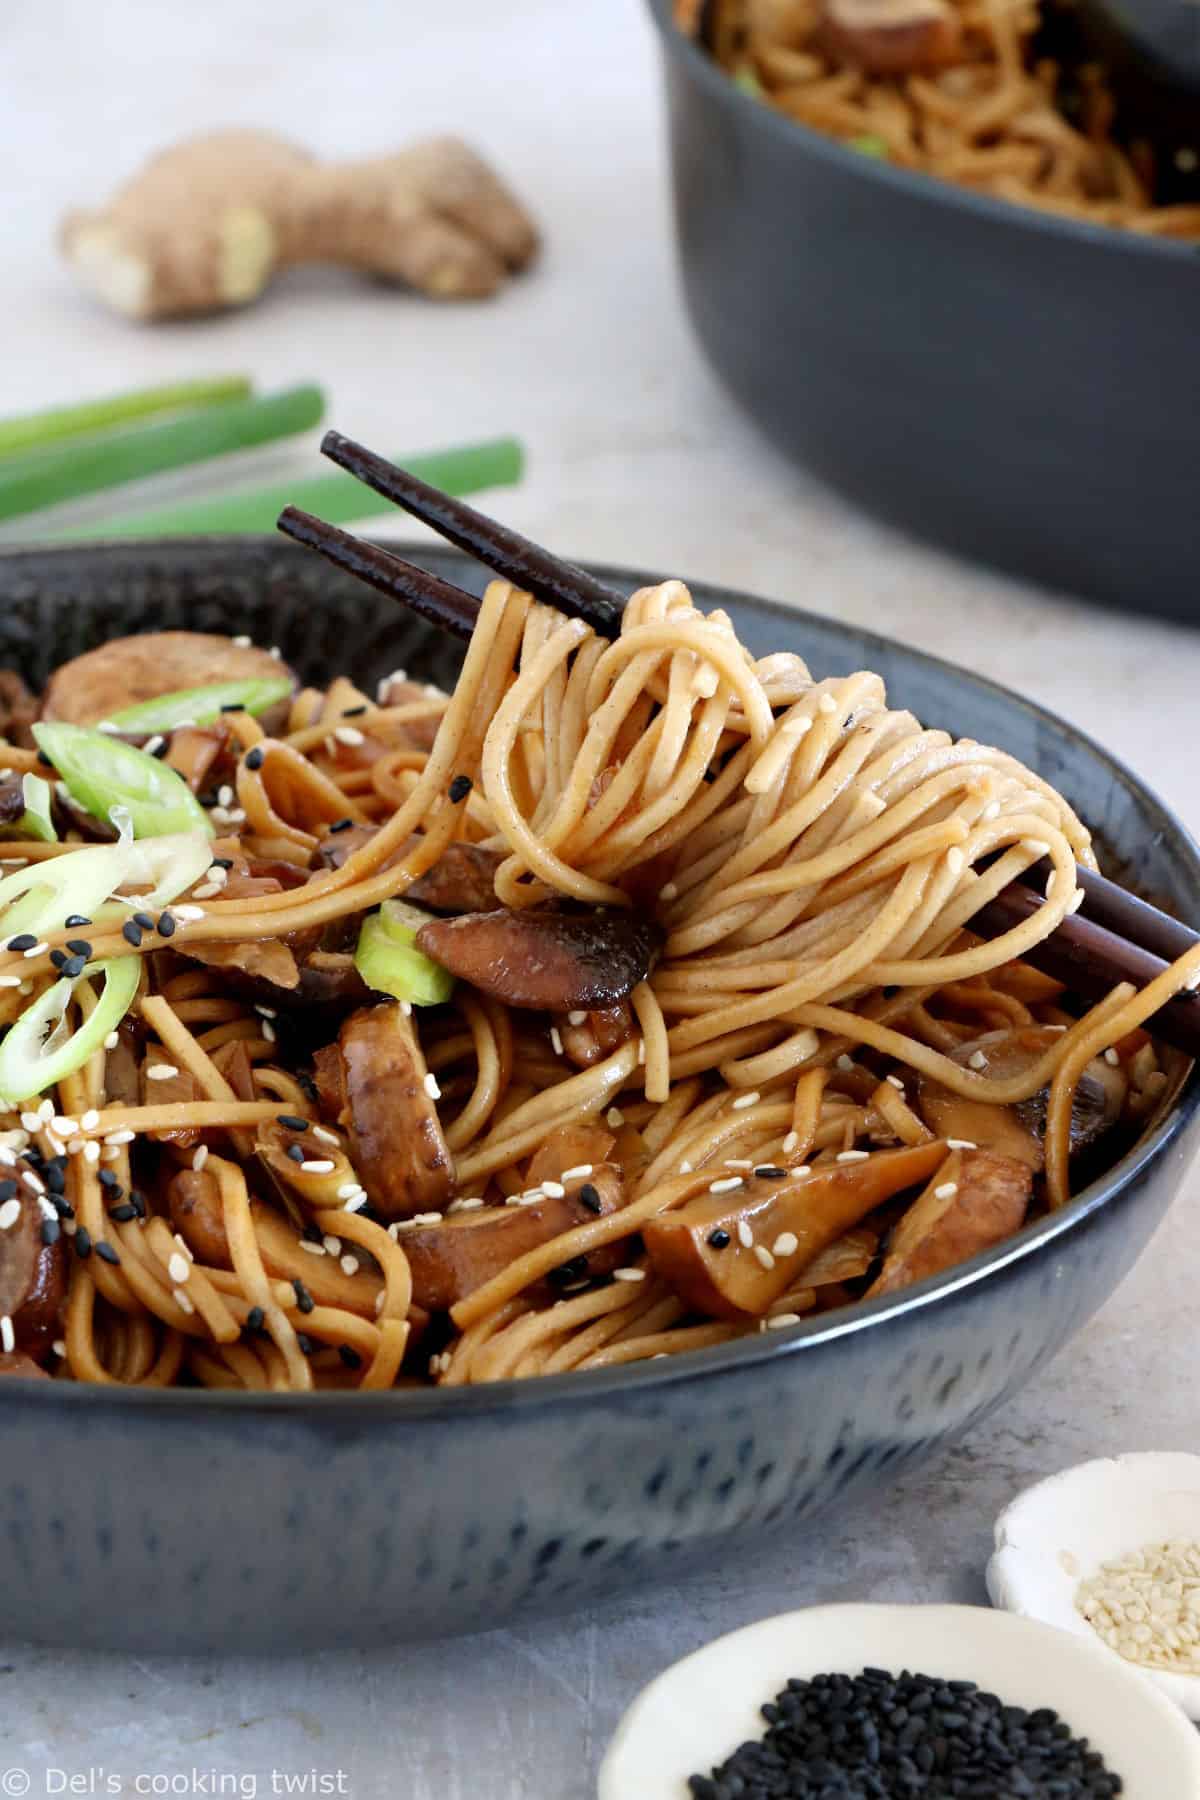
(207, 223)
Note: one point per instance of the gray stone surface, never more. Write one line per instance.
(634, 455)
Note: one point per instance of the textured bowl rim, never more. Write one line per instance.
(742, 1353)
(875, 170)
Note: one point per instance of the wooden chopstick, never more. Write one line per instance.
(1114, 938)
(560, 584)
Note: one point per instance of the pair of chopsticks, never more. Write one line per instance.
(1114, 938)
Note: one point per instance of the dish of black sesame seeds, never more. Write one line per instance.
(967, 1705)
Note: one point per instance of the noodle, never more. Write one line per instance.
(243, 1170)
(994, 95)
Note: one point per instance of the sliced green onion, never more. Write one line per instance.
(200, 705)
(63, 472)
(388, 960)
(870, 145)
(33, 1056)
(43, 896)
(31, 430)
(35, 821)
(338, 499)
(101, 773)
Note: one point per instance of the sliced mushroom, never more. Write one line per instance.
(975, 1199)
(452, 1258)
(179, 1088)
(19, 1246)
(377, 1091)
(891, 37)
(32, 1279)
(131, 669)
(597, 1035)
(701, 1251)
(263, 959)
(1018, 1130)
(418, 734)
(12, 799)
(549, 961)
(18, 710)
(194, 752)
(462, 880)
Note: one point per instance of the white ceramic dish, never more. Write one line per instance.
(699, 1711)
(1060, 1532)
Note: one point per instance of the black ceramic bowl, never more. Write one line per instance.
(182, 1521)
(1022, 389)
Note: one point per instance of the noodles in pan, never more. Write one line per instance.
(677, 1032)
(973, 91)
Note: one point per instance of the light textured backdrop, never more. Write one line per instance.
(634, 455)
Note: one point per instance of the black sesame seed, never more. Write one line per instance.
(304, 1299)
(575, 1270)
(307, 1084)
(75, 921)
(62, 1207)
(51, 1231)
(221, 862)
(307, 1344)
(311, 1235)
(341, 825)
(44, 760)
(296, 1152)
(166, 925)
(160, 750)
(74, 967)
(589, 1197)
(59, 958)
(105, 1252)
(291, 1121)
(79, 946)
(132, 933)
(138, 1202)
(255, 1319)
(83, 1243)
(354, 712)
(234, 706)
(7, 1189)
(55, 1175)
(108, 1178)
(460, 787)
(123, 1214)
(770, 1172)
(144, 920)
(719, 1239)
(350, 1356)
(256, 758)
(24, 940)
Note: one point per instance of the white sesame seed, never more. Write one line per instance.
(115, 1139)
(154, 744)
(187, 915)
(161, 1072)
(89, 1122)
(895, 1081)
(745, 1235)
(471, 1205)
(326, 1136)
(978, 1060)
(110, 726)
(554, 1190)
(745, 1100)
(268, 1030)
(333, 1245)
(577, 1018)
(183, 1301)
(225, 795)
(64, 1127)
(685, 1168)
(728, 1185)
(276, 652)
(209, 891)
(312, 1249)
(431, 1086)
(46, 1111)
(349, 1264)
(199, 1157)
(10, 981)
(184, 1248)
(556, 1040)
(849, 1156)
(31, 1121)
(8, 1337)
(91, 1151)
(956, 862)
(35, 950)
(179, 1268)
(406, 1008)
(243, 642)
(790, 1142)
(10, 1212)
(629, 1274)
(777, 1321)
(844, 1063)
(348, 1190)
(58, 1347)
(786, 1244)
(580, 1172)
(355, 1202)
(961, 1144)
(738, 1162)
(348, 735)
(764, 1257)
(669, 892)
(47, 1209)
(946, 1191)
(1112, 1059)
(33, 1181)
(321, 1165)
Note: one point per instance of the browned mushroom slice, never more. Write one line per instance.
(452, 1258)
(18, 709)
(195, 750)
(12, 801)
(19, 1245)
(731, 1256)
(399, 1151)
(551, 961)
(131, 669)
(417, 734)
(1018, 1130)
(976, 1199)
(263, 959)
(590, 1039)
(169, 1086)
(462, 880)
(891, 37)
(15, 1362)
(32, 1279)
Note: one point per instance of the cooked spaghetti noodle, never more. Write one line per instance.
(969, 91)
(815, 1084)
